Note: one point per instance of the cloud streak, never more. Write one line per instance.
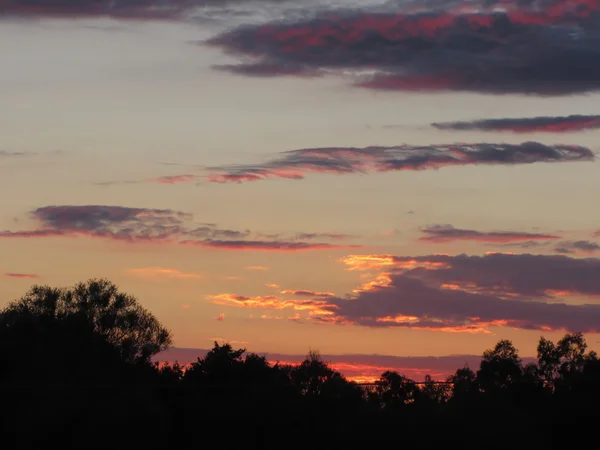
(174, 179)
(139, 225)
(296, 164)
(268, 246)
(577, 247)
(28, 276)
(112, 222)
(447, 233)
(162, 272)
(544, 124)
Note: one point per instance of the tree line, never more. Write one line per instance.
(76, 372)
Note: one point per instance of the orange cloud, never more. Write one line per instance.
(368, 262)
(156, 272)
(313, 307)
(263, 268)
(377, 262)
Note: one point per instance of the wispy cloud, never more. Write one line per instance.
(296, 164)
(306, 293)
(534, 48)
(314, 307)
(261, 268)
(579, 247)
(161, 272)
(544, 124)
(174, 179)
(447, 233)
(113, 222)
(332, 236)
(272, 246)
(21, 275)
(7, 154)
(152, 225)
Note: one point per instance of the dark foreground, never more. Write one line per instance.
(75, 372)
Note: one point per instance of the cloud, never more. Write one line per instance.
(332, 236)
(545, 124)
(360, 368)
(296, 164)
(212, 232)
(525, 244)
(174, 179)
(149, 225)
(577, 247)
(313, 307)
(534, 48)
(112, 222)
(411, 303)
(7, 154)
(503, 274)
(21, 275)
(447, 233)
(119, 9)
(261, 268)
(305, 293)
(161, 272)
(272, 285)
(467, 294)
(268, 246)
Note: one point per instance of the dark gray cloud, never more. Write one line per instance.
(447, 233)
(144, 224)
(410, 302)
(524, 275)
(536, 48)
(343, 160)
(545, 124)
(113, 222)
(582, 246)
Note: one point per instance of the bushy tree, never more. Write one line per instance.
(96, 308)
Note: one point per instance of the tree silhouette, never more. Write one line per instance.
(500, 367)
(95, 308)
(75, 373)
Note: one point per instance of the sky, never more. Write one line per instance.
(398, 178)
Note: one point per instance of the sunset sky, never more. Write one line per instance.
(401, 178)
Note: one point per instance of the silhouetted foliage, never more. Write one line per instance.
(76, 373)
